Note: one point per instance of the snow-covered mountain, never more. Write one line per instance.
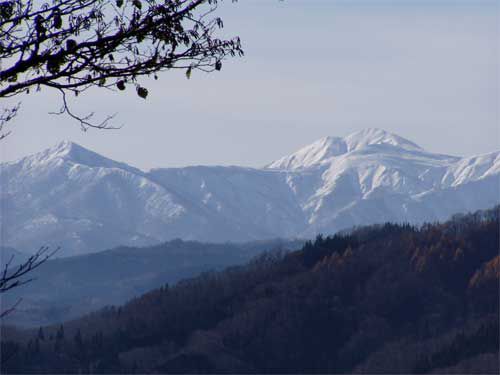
(73, 197)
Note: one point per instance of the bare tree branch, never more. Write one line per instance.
(73, 45)
(7, 115)
(84, 120)
(12, 276)
(10, 309)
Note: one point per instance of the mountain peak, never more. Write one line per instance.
(375, 136)
(328, 147)
(71, 152)
(64, 148)
(66, 144)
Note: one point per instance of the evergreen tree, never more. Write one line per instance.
(59, 338)
(60, 333)
(78, 339)
(41, 335)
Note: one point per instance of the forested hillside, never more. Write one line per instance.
(380, 299)
(67, 288)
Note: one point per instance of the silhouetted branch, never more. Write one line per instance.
(7, 115)
(10, 309)
(73, 45)
(84, 120)
(11, 278)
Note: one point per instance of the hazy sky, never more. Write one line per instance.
(426, 70)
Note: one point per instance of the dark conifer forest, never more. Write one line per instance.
(381, 299)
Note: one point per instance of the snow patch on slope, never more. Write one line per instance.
(313, 154)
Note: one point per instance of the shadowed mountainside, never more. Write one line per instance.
(66, 288)
(381, 299)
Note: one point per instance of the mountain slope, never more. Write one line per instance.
(75, 198)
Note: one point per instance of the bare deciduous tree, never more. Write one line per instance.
(72, 45)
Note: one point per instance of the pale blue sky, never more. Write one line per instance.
(427, 70)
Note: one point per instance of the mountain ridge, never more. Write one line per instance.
(73, 197)
(324, 149)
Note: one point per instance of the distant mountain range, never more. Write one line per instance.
(72, 197)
